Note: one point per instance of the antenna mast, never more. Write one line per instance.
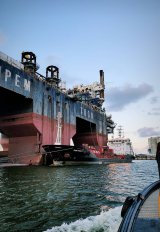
(120, 130)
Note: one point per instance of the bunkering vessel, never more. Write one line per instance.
(121, 145)
(37, 110)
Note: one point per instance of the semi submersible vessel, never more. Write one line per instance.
(39, 117)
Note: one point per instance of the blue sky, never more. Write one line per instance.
(122, 37)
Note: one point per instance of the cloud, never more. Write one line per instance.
(148, 132)
(119, 98)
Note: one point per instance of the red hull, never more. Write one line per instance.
(28, 132)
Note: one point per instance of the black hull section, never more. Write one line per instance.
(73, 154)
(67, 153)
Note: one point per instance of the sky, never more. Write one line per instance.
(121, 37)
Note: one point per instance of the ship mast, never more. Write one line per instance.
(120, 130)
(121, 136)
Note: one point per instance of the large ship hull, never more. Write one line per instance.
(29, 112)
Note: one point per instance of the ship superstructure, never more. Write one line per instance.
(120, 144)
(36, 110)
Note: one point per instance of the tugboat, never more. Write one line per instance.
(60, 155)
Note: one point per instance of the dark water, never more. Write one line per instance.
(73, 198)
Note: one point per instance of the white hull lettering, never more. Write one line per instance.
(7, 75)
(27, 85)
(18, 81)
(86, 113)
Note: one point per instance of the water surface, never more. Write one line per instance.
(71, 198)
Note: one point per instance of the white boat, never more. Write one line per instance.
(120, 144)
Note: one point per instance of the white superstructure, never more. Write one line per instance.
(121, 145)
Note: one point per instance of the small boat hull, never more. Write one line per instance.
(143, 211)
